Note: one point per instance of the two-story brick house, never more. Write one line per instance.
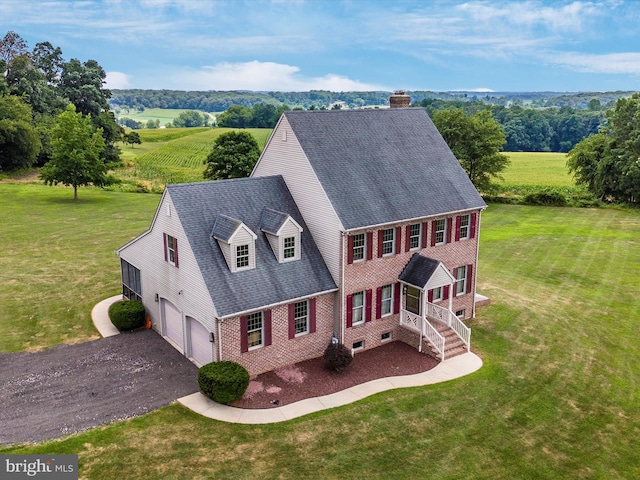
(360, 223)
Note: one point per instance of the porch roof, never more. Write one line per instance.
(423, 272)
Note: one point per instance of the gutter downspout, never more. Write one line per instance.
(341, 288)
(218, 321)
(475, 273)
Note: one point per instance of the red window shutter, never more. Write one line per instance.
(458, 224)
(244, 333)
(396, 298)
(425, 227)
(397, 239)
(449, 227)
(312, 315)
(292, 320)
(407, 239)
(350, 249)
(380, 240)
(469, 278)
(175, 252)
(474, 219)
(434, 225)
(369, 245)
(164, 247)
(445, 295)
(266, 318)
(349, 311)
(430, 296)
(378, 302)
(369, 299)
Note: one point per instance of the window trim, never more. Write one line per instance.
(467, 227)
(443, 231)
(388, 245)
(358, 308)
(363, 247)
(289, 251)
(417, 237)
(171, 251)
(461, 281)
(389, 300)
(250, 317)
(306, 317)
(439, 297)
(130, 290)
(243, 257)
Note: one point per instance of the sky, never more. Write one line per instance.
(343, 45)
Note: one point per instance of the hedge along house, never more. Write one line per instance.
(360, 223)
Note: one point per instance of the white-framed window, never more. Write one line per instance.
(301, 317)
(388, 241)
(359, 345)
(415, 234)
(461, 280)
(359, 242)
(386, 336)
(358, 308)
(437, 294)
(171, 246)
(386, 301)
(441, 231)
(413, 300)
(131, 284)
(289, 247)
(255, 330)
(465, 231)
(242, 256)
(460, 314)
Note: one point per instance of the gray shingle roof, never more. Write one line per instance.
(198, 205)
(224, 227)
(418, 270)
(272, 220)
(383, 165)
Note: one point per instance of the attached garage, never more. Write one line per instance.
(200, 347)
(173, 323)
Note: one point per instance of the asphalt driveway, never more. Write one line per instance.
(71, 388)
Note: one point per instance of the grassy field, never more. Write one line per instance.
(165, 115)
(537, 168)
(557, 398)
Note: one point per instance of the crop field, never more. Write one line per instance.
(174, 155)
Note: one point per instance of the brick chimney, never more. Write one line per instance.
(399, 100)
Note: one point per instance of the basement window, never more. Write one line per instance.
(385, 336)
(359, 345)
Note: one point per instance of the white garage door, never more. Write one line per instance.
(200, 346)
(173, 323)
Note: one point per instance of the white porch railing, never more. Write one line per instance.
(420, 325)
(451, 320)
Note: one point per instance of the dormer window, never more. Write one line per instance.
(237, 242)
(283, 233)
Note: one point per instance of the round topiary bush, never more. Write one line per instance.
(337, 357)
(127, 314)
(224, 381)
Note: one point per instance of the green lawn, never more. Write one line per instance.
(165, 115)
(557, 398)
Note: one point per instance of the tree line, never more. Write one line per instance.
(37, 86)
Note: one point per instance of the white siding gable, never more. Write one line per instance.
(183, 285)
(284, 156)
(289, 229)
(440, 278)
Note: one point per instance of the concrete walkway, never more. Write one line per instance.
(448, 370)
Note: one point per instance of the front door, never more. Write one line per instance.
(413, 299)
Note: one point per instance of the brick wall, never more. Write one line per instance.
(374, 273)
(282, 351)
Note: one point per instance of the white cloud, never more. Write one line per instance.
(261, 76)
(611, 63)
(117, 80)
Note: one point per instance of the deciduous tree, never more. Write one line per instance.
(19, 139)
(476, 141)
(75, 159)
(233, 156)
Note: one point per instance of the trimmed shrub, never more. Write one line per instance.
(224, 381)
(337, 357)
(127, 314)
(548, 197)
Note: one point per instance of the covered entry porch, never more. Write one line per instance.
(426, 307)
